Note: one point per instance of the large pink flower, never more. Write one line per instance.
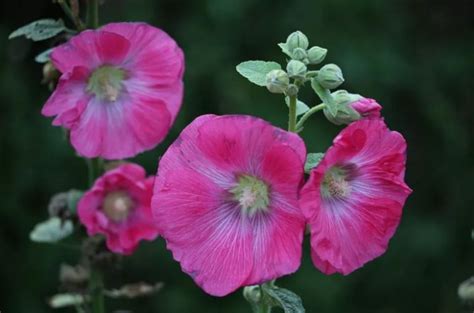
(353, 199)
(120, 90)
(225, 200)
(118, 206)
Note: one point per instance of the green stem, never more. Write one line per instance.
(94, 169)
(308, 113)
(292, 114)
(74, 18)
(97, 291)
(93, 13)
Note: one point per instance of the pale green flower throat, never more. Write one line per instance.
(106, 82)
(335, 183)
(252, 194)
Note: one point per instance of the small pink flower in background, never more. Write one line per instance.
(367, 107)
(118, 207)
(120, 90)
(353, 199)
(226, 201)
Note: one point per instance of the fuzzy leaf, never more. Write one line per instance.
(40, 29)
(312, 160)
(256, 71)
(43, 57)
(289, 301)
(51, 230)
(301, 107)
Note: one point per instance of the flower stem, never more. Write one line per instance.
(94, 169)
(308, 113)
(71, 15)
(292, 114)
(97, 291)
(93, 13)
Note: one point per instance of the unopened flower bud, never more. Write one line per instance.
(330, 76)
(50, 75)
(277, 81)
(296, 69)
(316, 55)
(466, 290)
(345, 114)
(299, 54)
(297, 40)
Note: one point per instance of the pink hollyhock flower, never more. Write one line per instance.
(120, 90)
(226, 201)
(118, 206)
(353, 199)
(367, 107)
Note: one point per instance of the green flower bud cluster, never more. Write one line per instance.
(296, 47)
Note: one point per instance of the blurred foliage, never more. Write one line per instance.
(415, 56)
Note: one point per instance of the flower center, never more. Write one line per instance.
(117, 205)
(336, 183)
(106, 82)
(252, 195)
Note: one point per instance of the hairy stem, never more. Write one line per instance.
(292, 114)
(97, 291)
(310, 112)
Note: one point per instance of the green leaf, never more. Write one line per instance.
(312, 160)
(301, 107)
(51, 230)
(256, 71)
(289, 301)
(63, 300)
(40, 29)
(43, 57)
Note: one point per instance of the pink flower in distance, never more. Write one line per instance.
(225, 199)
(353, 199)
(120, 90)
(367, 107)
(118, 207)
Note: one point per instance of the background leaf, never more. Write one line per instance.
(256, 71)
(52, 230)
(40, 29)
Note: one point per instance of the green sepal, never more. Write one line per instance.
(326, 97)
(286, 299)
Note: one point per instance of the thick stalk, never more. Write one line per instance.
(292, 114)
(94, 169)
(93, 13)
(310, 112)
(97, 291)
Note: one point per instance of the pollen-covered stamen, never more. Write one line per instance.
(336, 183)
(106, 82)
(252, 194)
(117, 205)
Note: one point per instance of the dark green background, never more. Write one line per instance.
(415, 56)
